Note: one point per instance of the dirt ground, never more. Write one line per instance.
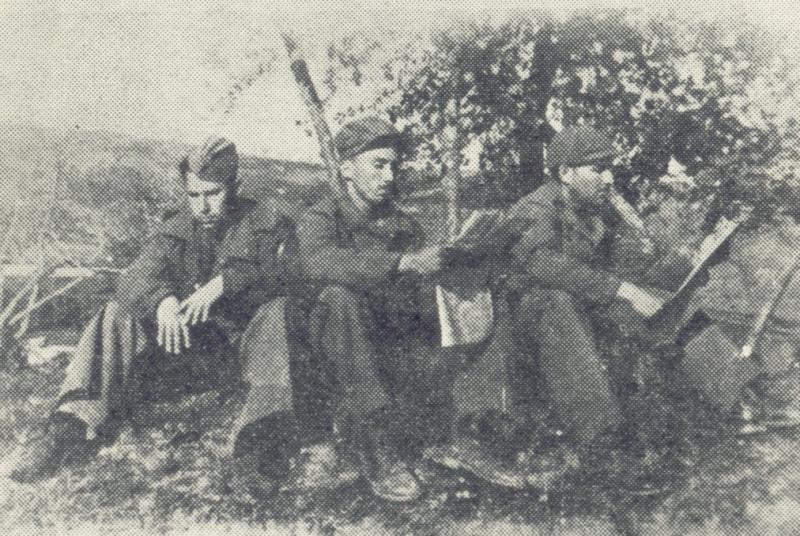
(166, 474)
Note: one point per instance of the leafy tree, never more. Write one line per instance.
(716, 96)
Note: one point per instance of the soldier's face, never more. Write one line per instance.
(589, 183)
(207, 199)
(372, 173)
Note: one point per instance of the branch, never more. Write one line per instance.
(62, 272)
(38, 303)
(41, 272)
(311, 98)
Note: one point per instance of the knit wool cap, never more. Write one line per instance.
(365, 134)
(579, 145)
(215, 160)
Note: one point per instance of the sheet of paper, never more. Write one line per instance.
(464, 320)
(468, 319)
(724, 229)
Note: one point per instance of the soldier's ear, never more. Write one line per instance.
(233, 189)
(566, 174)
(346, 168)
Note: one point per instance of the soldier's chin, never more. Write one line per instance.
(208, 222)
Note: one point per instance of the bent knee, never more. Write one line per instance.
(272, 307)
(541, 306)
(540, 300)
(268, 316)
(114, 312)
(264, 347)
(339, 296)
(560, 300)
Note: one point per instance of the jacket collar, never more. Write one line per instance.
(357, 218)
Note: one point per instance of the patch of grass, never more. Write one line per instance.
(166, 473)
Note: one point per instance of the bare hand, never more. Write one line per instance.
(645, 303)
(173, 332)
(196, 307)
(425, 261)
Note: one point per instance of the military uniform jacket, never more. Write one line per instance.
(557, 247)
(253, 251)
(342, 244)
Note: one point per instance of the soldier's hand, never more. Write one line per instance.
(425, 261)
(645, 303)
(173, 331)
(197, 306)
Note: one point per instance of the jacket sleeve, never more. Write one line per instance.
(325, 260)
(534, 251)
(149, 280)
(270, 268)
(571, 276)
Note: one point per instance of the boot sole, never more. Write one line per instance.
(448, 460)
(395, 498)
(341, 480)
(766, 426)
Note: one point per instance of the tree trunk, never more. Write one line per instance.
(451, 180)
(533, 131)
(530, 174)
(309, 93)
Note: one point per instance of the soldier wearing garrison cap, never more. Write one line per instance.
(561, 281)
(195, 293)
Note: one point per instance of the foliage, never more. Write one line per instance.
(716, 95)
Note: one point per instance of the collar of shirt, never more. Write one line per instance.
(358, 218)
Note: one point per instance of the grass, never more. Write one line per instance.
(166, 474)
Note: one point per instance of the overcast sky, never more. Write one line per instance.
(161, 69)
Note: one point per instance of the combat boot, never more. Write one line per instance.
(246, 477)
(262, 454)
(321, 466)
(388, 475)
(464, 453)
(42, 456)
(524, 470)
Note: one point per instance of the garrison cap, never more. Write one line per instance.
(579, 145)
(215, 160)
(365, 134)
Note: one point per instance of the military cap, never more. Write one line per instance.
(364, 134)
(579, 146)
(214, 160)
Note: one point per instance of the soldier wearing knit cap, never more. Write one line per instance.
(365, 134)
(365, 261)
(562, 283)
(204, 283)
(579, 146)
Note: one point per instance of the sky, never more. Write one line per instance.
(162, 69)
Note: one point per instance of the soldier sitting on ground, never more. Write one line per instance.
(561, 284)
(191, 296)
(362, 349)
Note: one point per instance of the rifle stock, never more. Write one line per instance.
(779, 291)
